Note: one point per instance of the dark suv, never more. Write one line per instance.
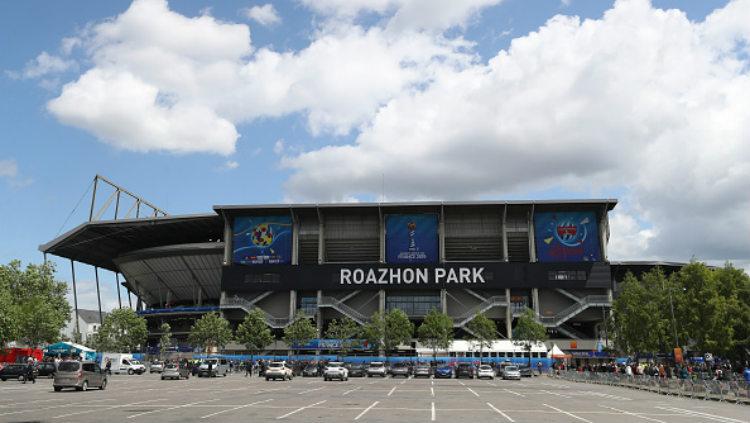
(465, 370)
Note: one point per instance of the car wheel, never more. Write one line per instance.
(163, 378)
(103, 386)
(85, 386)
(130, 372)
(3, 379)
(57, 388)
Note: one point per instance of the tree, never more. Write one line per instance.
(386, 331)
(38, 307)
(254, 333)
(436, 331)
(122, 331)
(734, 284)
(483, 331)
(165, 341)
(300, 332)
(8, 318)
(528, 331)
(346, 330)
(210, 331)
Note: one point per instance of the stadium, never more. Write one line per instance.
(353, 259)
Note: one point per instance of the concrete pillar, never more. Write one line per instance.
(444, 301)
(292, 304)
(532, 249)
(381, 234)
(441, 235)
(321, 238)
(295, 241)
(227, 241)
(535, 300)
(381, 302)
(505, 233)
(508, 315)
(319, 315)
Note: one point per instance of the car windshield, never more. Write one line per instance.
(399, 365)
(376, 364)
(422, 367)
(135, 362)
(170, 366)
(69, 366)
(485, 367)
(511, 369)
(275, 365)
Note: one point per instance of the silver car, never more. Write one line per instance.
(79, 375)
(174, 371)
(156, 366)
(511, 372)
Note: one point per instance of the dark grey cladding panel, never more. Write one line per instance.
(351, 276)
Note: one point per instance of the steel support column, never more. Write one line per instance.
(75, 294)
(117, 285)
(98, 295)
(508, 315)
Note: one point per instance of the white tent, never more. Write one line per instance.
(556, 352)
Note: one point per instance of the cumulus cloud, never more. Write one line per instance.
(642, 100)
(44, 64)
(265, 15)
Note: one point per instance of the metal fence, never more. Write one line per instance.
(737, 391)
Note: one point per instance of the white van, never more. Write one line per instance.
(218, 366)
(123, 363)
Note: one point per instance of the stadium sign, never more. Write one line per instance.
(409, 275)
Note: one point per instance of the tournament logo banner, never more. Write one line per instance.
(411, 238)
(262, 240)
(566, 236)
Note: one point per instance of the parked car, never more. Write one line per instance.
(218, 366)
(310, 370)
(175, 371)
(465, 370)
(335, 370)
(12, 371)
(500, 367)
(79, 375)
(422, 371)
(46, 369)
(525, 371)
(444, 371)
(279, 370)
(485, 371)
(511, 372)
(400, 369)
(156, 367)
(357, 370)
(376, 368)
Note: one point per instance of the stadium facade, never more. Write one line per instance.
(334, 260)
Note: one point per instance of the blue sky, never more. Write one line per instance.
(47, 162)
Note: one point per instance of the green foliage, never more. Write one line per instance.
(210, 331)
(346, 330)
(483, 331)
(300, 332)
(165, 341)
(436, 331)
(386, 331)
(122, 331)
(33, 305)
(253, 332)
(529, 331)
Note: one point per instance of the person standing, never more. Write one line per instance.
(29, 376)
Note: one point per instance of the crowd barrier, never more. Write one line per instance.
(736, 391)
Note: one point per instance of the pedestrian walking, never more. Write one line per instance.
(29, 373)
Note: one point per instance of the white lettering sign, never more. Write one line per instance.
(411, 276)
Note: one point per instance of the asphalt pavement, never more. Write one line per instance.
(146, 398)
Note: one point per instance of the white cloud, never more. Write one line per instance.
(265, 15)
(44, 64)
(8, 168)
(278, 146)
(230, 165)
(642, 100)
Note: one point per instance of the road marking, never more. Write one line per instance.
(366, 410)
(472, 391)
(310, 390)
(403, 381)
(555, 393)
(55, 406)
(501, 413)
(709, 416)
(236, 408)
(352, 390)
(433, 411)
(633, 414)
(432, 391)
(300, 409)
(514, 392)
(107, 408)
(569, 414)
(390, 393)
(132, 416)
(462, 384)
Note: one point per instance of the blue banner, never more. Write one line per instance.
(411, 238)
(262, 240)
(566, 236)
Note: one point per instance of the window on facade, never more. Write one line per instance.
(309, 305)
(413, 305)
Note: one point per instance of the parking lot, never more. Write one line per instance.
(146, 398)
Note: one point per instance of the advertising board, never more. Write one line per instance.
(566, 236)
(262, 240)
(411, 238)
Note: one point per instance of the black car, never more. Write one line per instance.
(12, 371)
(358, 370)
(465, 370)
(46, 369)
(525, 371)
(311, 371)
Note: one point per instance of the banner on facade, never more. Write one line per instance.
(411, 238)
(262, 240)
(566, 236)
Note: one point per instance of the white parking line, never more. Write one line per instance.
(55, 406)
(501, 413)
(132, 416)
(352, 390)
(300, 409)
(433, 411)
(514, 392)
(310, 390)
(462, 384)
(693, 413)
(392, 390)
(567, 413)
(107, 408)
(472, 391)
(633, 414)
(236, 408)
(555, 393)
(366, 410)
(432, 391)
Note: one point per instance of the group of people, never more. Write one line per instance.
(716, 371)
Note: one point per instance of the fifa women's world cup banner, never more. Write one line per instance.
(262, 240)
(566, 236)
(411, 238)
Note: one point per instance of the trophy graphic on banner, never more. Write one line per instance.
(412, 232)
